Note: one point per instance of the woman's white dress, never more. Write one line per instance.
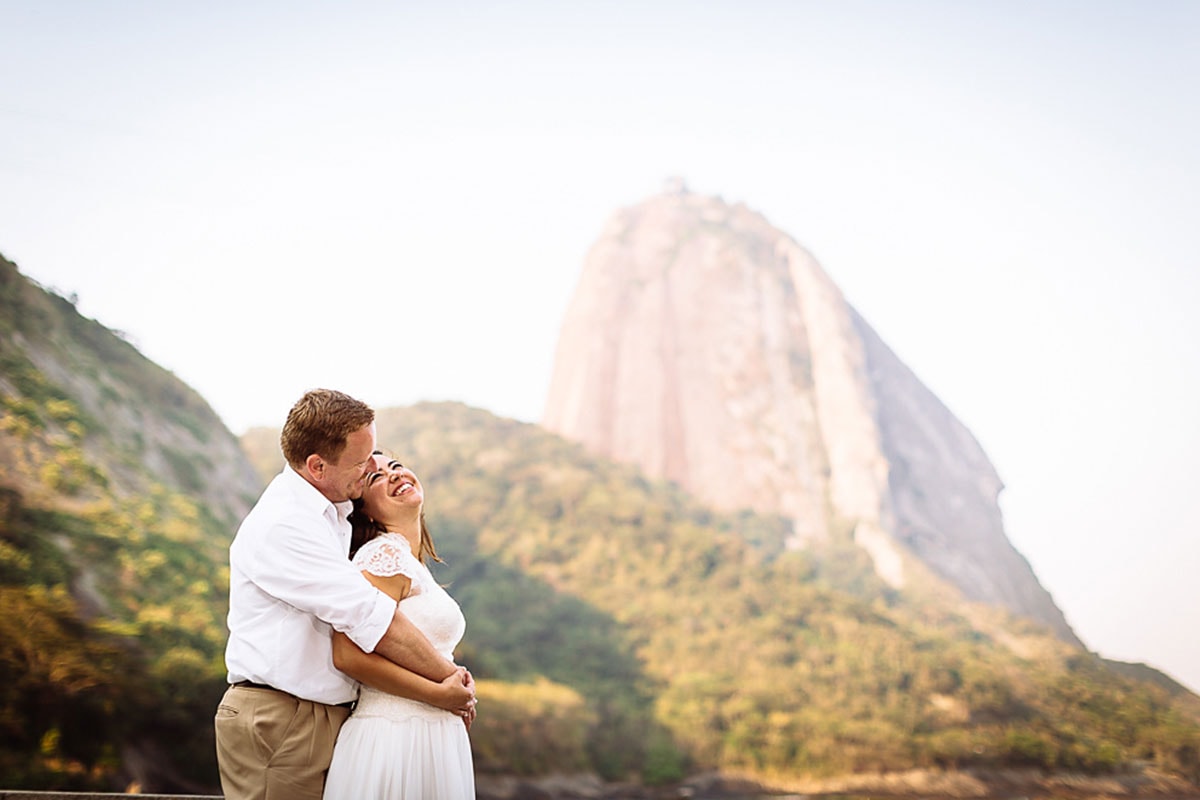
(392, 748)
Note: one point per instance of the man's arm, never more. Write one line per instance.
(405, 645)
(455, 693)
(402, 643)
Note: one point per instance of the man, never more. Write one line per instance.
(290, 585)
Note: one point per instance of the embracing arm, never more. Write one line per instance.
(454, 693)
(405, 645)
(454, 688)
(310, 573)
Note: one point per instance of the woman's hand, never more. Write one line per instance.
(469, 681)
(456, 693)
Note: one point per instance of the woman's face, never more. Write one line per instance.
(392, 491)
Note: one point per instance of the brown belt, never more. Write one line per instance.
(253, 685)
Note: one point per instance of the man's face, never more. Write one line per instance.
(344, 478)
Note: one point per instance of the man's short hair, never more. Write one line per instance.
(319, 423)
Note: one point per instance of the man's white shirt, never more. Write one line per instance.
(290, 582)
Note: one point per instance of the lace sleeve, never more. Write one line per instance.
(385, 557)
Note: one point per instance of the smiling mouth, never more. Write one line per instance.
(402, 488)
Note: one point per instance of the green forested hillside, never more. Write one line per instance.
(113, 584)
(616, 626)
(741, 655)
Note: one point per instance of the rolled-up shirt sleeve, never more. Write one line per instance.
(304, 568)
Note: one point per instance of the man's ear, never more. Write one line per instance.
(315, 466)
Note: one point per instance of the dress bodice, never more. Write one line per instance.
(428, 606)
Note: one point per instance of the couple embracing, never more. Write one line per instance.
(308, 627)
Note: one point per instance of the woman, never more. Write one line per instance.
(412, 743)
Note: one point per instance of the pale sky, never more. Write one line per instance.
(395, 199)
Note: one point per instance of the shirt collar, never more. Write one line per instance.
(344, 509)
(308, 496)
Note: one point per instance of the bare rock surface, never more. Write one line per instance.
(709, 348)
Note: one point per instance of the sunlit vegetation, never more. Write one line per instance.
(113, 635)
(748, 656)
(615, 624)
(112, 601)
(533, 728)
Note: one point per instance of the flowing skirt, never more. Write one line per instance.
(397, 749)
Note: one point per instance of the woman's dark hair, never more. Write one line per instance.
(363, 529)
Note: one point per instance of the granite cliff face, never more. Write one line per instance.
(709, 348)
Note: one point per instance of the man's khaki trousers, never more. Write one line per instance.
(273, 746)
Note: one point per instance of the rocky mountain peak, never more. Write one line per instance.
(709, 348)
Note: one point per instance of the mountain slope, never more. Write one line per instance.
(119, 490)
(708, 348)
(943, 492)
(78, 380)
(617, 625)
(750, 656)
